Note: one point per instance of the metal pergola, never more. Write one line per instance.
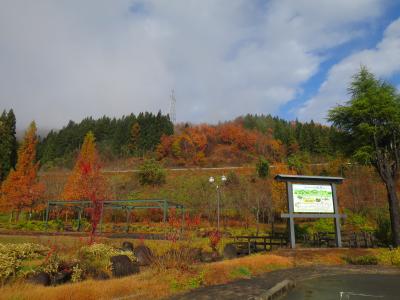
(127, 205)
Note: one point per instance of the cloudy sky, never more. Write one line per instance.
(67, 59)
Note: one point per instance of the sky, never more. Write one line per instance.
(68, 59)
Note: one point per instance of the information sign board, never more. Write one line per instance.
(312, 198)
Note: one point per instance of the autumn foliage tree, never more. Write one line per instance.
(86, 181)
(21, 190)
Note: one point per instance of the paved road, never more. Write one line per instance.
(199, 169)
(252, 288)
(348, 287)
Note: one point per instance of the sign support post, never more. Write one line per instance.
(291, 218)
(338, 234)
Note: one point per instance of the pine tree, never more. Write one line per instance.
(11, 126)
(8, 143)
(134, 138)
(22, 190)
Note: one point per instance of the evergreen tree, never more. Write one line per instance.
(370, 123)
(8, 143)
(135, 136)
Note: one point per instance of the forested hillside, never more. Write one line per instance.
(230, 143)
(116, 138)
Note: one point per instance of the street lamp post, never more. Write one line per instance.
(212, 181)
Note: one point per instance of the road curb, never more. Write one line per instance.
(277, 291)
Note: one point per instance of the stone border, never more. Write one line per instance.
(277, 291)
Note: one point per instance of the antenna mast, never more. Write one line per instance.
(172, 108)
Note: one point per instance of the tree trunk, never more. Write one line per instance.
(394, 211)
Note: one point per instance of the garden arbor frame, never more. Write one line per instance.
(127, 205)
(311, 180)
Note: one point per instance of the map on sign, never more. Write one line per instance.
(311, 198)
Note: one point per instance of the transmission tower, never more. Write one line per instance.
(172, 108)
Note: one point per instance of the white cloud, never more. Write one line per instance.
(383, 61)
(62, 60)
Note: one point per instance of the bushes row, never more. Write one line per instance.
(38, 262)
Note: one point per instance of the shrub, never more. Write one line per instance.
(151, 173)
(362, 260)
(77, 274)
(323, 225)
(180, 258)
(262, 167)
(12, 256)
(51, 264)
(390, 257)
(383, 231)
(359, 222)
(96, 257)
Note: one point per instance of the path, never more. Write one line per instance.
(252, 288)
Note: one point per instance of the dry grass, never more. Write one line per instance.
(143, 286)
(153, 283)
(225, 271)
(323, 256)
(150, 284)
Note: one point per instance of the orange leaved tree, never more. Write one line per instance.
(22, 189)
(86, 181)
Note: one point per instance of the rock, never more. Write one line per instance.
(195, 254)
(101, 275)
(207, 257)
(40, 278)
(127, 246)
(230, 251)
(143, 255)
(61, 277)
(123, 266)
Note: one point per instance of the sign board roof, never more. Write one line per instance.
(303, 178)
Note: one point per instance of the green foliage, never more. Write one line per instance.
(114, 137)
(77, 274)
(262, 167)
(390, 257)
(362, 260)
(35, 225)
(358, 222)
(383, 231)
(97, 256)
(151, 173)
(308, 137)
(51, 264)
(370, 121)
(370, 126)
(295, 163)
(8, 143)
(323, 225)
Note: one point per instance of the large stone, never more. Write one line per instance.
(61, 277)
(208, 257)
(230, 251)
(123, 266)
(101, 275)
(143, 255)
(40, 278)
(127, 246)
(195, 254)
